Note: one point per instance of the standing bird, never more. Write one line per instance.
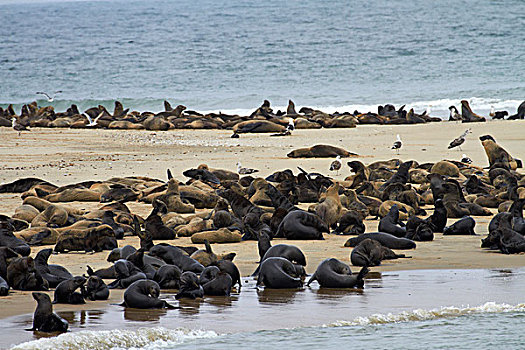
(336, 164)
(49, 98)
(18, 127)
(454, 113)
(465, 159)
(291, 125)
(91, 121)
(459, 141)
(245, 171)
(492, 112)
(397, 145)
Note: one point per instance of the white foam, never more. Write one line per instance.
(439, 107)
(142, 338)
(423, 315)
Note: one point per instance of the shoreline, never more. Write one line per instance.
(65, 156)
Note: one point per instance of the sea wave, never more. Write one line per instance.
(424, 315)
(142, 338)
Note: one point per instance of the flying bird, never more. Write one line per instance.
(49, 98)
(397, 144)
(18, 127)
(457, 142)
(245, 171)
(465, 159)
(91, 121)
(336, 164)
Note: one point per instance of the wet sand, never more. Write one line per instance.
(64, 156)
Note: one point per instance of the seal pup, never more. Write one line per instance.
(227, 265)
(65, 291)
(277, 272)
(189, 286)
(245, 171)
(49, 98)
(397, 144)
(457, 142)
(333, 273)
(168, 277)
(336, 164)
(220, 285)
(391, 223)
(144, 294)
(464, 226)
(44, 320)
(96, 289)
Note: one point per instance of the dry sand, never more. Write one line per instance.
(64, 156)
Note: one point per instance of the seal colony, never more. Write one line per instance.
(219, 206)
(262, 120)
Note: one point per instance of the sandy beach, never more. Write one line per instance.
(64, 156)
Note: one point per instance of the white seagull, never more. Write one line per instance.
(465, 159)
(18, 127)
(492, 111)
(245, 171)
(397, 144)
(49, 98)
(336, 164)
(291, 125)
(454, 113)
(91, 121)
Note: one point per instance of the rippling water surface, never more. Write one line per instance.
(230, 55)
(451, 308)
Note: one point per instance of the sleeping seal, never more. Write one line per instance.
(385, 239)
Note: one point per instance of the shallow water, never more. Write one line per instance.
(402, 304)
(230, 56)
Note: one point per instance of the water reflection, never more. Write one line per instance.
(277, 296)
(144, 315)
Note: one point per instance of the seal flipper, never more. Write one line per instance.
(313, 278)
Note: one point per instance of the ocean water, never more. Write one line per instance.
(432, 309)
(230, 55)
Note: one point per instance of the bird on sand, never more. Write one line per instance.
(245, 171)
(336, 164)
(18, 127)
(291, 125)
(397, 144)
(91, 121)
(49, 98)
(465, 159)
(457, 142)
(454, 113)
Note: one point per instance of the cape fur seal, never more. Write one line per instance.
(464, 226)
(65, 291)
(144, 294)
(370, 252)
(276, 272)
(54, 274)
(96, 289)
(333, 273)
(289, 252)
(44, 320)
(391, 223)
(299, 224)
(320, 151)
(498, 157)
(189, 286)
(385, 239)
